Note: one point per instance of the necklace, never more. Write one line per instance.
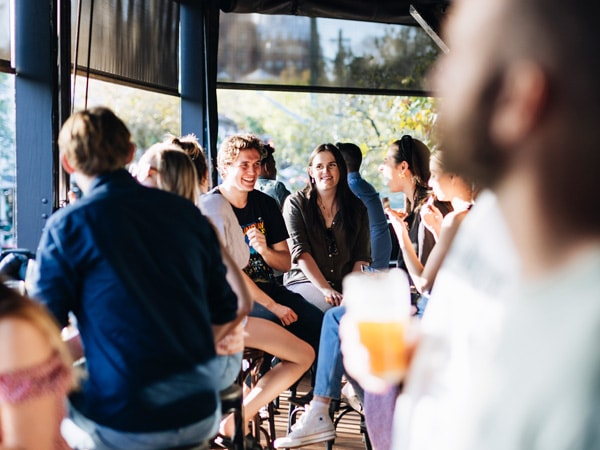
(328, 213)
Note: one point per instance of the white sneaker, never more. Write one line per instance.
(311, 428)
(349, 395)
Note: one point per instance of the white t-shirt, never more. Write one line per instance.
(460, 328)
(542, 389)
(220, 213)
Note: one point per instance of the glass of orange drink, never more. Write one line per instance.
(378, 303)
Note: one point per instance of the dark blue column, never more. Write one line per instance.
(198, 72)
(36, 117)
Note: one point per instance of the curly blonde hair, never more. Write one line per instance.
(230, 149)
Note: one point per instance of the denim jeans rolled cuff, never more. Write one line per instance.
(330, 367)
(82, 433)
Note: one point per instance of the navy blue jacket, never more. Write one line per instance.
(142, 271)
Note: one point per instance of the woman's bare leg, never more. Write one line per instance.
(295, 355)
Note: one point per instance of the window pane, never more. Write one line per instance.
(125, 38)
(295, 123)
(291, 50)
(4, 30)
(7, 159)
(148, 115)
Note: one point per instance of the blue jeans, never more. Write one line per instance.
(330, 366)
(229, 367)
(422, 304)
(92, 436)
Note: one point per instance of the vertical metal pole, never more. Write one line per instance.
(36, 116)
(64, 77)
(199, 25)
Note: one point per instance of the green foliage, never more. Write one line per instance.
(148, 115)
(7, 159)
(7, 123)
(397, 60)
(297, 122)
(294, 122)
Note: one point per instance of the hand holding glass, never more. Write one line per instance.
(378, 306)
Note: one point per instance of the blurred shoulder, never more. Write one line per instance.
(213, 202)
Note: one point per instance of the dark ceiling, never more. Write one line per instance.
(384, 11)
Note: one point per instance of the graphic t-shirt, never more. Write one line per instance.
(261, 212)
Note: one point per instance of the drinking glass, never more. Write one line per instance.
(378, 304)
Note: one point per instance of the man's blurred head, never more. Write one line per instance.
(95, 141)
(520, 94)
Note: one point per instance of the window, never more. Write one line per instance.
(5, 32)
(328, 53)
(7, 159)
(295, 123)
(148, 115)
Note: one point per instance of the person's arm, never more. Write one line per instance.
(236, 281)
(30, 424)
(285, 314)
(54, 278)
(432, 218)
(409, 255)
(423, 276)
(357, 267)
(361, 250)
(450, 226)
(277, 256)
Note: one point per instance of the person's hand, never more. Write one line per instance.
(285, 314)
(432, 218)
(332, 296)
(232, 342)
(399, 224)
(257, 240)
(356, 358)
(396, 216)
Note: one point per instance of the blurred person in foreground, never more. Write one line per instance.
(149, 302)
(513, 91)
(35, 375)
